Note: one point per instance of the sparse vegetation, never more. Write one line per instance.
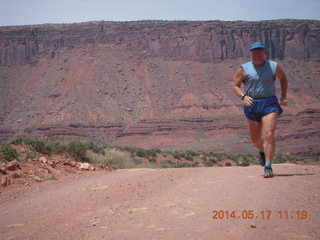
(115, 158)
(77, 149)
(130, 157)
(7, 153)
(152, 160)
(71, 171)
(52, 178)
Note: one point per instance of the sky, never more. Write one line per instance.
(27, 12)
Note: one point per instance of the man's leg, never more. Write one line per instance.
(255, 129)
(269, 124)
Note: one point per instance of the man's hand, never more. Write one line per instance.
(247, 100)
(283, 102)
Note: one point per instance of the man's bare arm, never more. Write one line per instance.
(283, 83)
(236, 86)
(237, 81)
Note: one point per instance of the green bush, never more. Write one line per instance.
(31, 155)
(95, 148)
(56, 147)
(192, 153)
(182, 155)
(115, 158)
(279, 159)
(195, 164)
(184, 165)
(243, 163)
(176, 155)
(141, 153)
(204, 159)
(137, 160)
(208, 163)
(152, 152)
(152, 160)
(168, 164)
(94, 158)
(18, 141)
(40, 146)
(213, 160)
(77, 149)
(7, 153)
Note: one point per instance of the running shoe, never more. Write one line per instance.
(268, 172)
(262, 159)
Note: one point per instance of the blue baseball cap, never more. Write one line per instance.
(257, 45)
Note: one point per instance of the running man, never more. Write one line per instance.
(261, 106)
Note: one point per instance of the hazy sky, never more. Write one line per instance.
(22, 12)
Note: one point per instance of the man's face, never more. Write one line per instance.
(258, 54)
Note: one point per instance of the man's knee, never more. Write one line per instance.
(268, 135)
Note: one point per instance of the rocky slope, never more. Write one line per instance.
(153, 83)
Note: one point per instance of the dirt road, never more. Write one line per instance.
(168, 204)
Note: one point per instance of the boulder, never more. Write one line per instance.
(16, 174)
(38, 179)
(3, 169)
(84, 166)
(43, 160)
(12, 166)
(5, 181)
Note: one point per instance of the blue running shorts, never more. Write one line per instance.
(261, 107)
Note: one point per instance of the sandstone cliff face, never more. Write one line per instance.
(153, 84)
(200, 41)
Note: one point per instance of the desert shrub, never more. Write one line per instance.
(115, 158)
(141, 153)
(195, 164)
(184, 164)
(279, 159)
(244, 162)
(56, 147)
(37, 145)
(152, 152)
(204, 158)
(137, 160)
(192, 153)
(157, 150)
(7, 153)
(189, 158)
(151, 159)
(168, 164)
(32, 155)
(124, 148)
(96, 148)
(182, 155)
(167, 153)
(77, 149)
(213, 160)
(208, 163)
(176, 155)
(94, 158)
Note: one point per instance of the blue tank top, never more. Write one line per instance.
(259, 81)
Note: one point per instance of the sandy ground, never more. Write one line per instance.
(168, 204)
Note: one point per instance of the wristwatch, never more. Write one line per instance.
(242, 95)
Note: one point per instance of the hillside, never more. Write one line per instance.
(159, 84)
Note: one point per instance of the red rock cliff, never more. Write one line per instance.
(153, 83)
